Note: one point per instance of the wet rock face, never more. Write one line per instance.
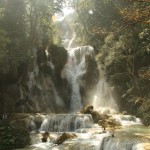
(22, 92)
(89, 79)
(59, 59)
(28, 121)
(12, 80)
(9, 74)
(66, 122)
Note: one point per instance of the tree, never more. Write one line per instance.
(39, 15)
(14, 24)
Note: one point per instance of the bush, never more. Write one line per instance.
(12, 137)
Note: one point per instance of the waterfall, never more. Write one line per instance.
(73, 71)
(127, 120)
(63, 122)
(103, 99)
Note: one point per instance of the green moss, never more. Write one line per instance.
(12, 137)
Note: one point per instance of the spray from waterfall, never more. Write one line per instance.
(103, 99)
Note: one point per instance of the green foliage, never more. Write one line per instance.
(4, 40)
(39, 16)
(12, 137)
(24, 25)
(14, 23)
(144, 112)
(119, 31)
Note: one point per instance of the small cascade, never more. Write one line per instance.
(73, 71)
(119, 144)
(127, 120)
(128, 138)
(63, 122)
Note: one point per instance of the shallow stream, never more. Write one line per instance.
(133, 137)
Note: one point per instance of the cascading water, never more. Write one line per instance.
(103, 99)
(73, 71)
(64, 123)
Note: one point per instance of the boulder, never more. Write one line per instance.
(64, 137)
(59, 59)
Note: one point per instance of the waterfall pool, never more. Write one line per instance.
(136, 137)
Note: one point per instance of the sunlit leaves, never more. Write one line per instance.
(136, 14)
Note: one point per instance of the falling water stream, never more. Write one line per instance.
(73, 71)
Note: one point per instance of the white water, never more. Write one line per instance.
(103, 97)
(73, 71)
(127, 120)
(64, 122)
(103, 100)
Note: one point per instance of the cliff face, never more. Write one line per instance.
(36, 86)
(39, 86)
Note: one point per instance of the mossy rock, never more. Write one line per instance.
(64, 137)
(87, 109)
